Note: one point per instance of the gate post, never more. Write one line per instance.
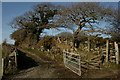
(89, 44)
(79, 66)
(64, 56)
(15, 57)
(2, 66)
(107, 50)
(116, 53)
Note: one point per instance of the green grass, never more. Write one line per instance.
(58, 57)
(34, 50)
(113, 65)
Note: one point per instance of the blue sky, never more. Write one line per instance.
(14, 9)
(11, 10)
(0, 22)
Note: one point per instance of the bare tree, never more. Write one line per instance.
(114, 30)
(83, 14)
(34, 22)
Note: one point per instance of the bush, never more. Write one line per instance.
(47, 42)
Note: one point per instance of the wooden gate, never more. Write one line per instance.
(72, 62)
(112, 51)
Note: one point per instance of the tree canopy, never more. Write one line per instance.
(45, 16)
(86, 15)
(33, 22)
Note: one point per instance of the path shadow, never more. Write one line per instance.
(25, 62)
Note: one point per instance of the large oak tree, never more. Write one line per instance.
(82, 15)
(32, 23)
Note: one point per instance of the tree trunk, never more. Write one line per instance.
(75, 40)
(38, 34)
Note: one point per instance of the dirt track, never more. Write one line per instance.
(35, 65)
(45, 68)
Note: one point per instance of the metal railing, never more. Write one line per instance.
(72, 62)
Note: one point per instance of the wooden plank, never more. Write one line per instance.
(94, 67)
(107, 50)
(116, 52)
(113, 56)
(93, 60)
(83, 62)
(79, 66)
(15, 57)
(89, 44)
(85, 67)
(95, 57)
(72, 57)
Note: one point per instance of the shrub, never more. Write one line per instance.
(47, 42)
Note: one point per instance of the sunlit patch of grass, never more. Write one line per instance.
(34, 50)
(57, 57)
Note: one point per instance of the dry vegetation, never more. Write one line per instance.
(47, 16)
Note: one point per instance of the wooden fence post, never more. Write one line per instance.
(79, 66)
(107, 50)
(89, 45)
(2, 66)
(59, 40)
(64, 56)
(116, 53)
(16, 59)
